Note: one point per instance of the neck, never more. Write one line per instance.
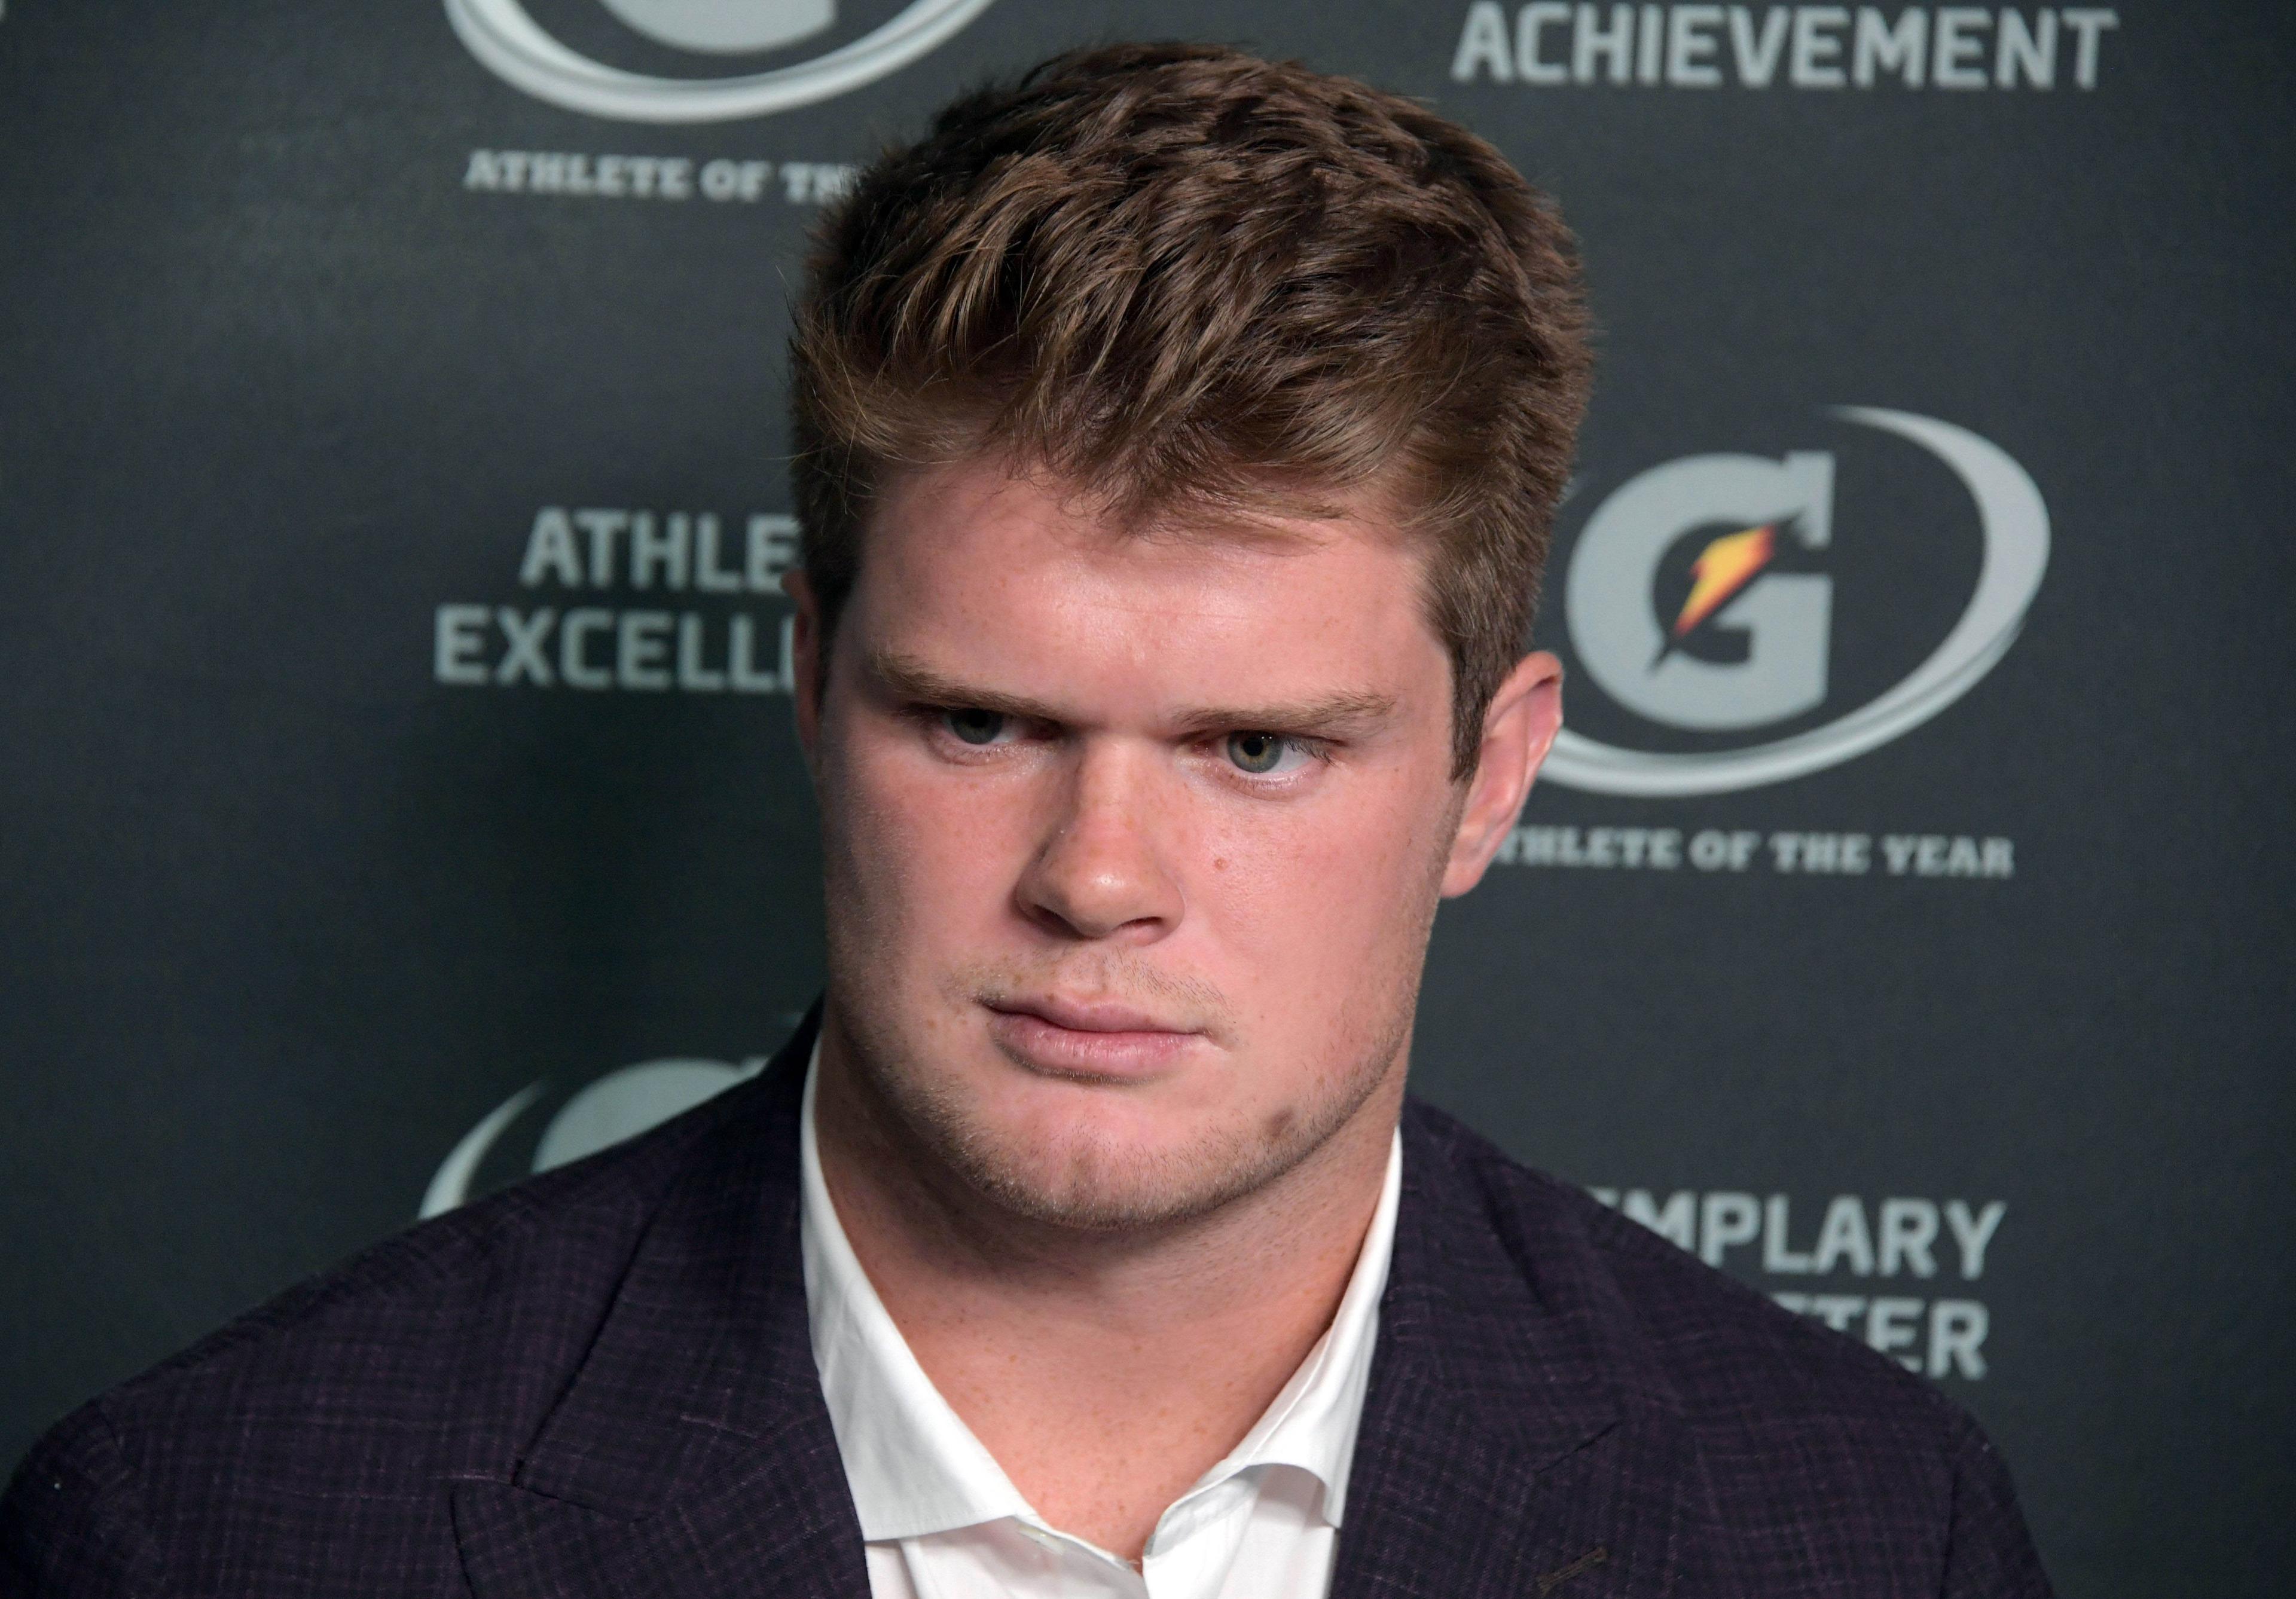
(1150, 1351)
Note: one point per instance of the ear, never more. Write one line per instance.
(805, 660)
(1517, 730)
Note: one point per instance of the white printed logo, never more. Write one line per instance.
(1747, 645)
(510, 44)
(620, 1105)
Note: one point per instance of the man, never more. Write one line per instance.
(1178, 439)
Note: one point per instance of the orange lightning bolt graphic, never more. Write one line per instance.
(1722, 568)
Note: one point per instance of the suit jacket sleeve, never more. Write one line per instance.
(1988, 1554)
(72, 1525)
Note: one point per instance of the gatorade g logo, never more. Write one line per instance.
(511, 44)
(1700, 599)
(1746, 643)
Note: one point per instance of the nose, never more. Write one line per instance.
(1101, 872)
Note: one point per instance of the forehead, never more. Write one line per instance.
(975, 569)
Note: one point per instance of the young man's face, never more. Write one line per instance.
(1133, 843)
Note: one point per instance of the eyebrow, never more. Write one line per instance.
(1346, 714)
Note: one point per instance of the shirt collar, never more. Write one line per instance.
(914, 1466)
(1312, 1422)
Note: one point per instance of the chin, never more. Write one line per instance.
(1101, 1178)
(1176, 1144)
(1104, 1157)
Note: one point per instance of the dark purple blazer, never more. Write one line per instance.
(600, 1384)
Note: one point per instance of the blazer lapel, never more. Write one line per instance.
(756, 1525)
(692, 1457)
(1496, 1455)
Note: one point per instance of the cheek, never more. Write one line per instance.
(1314, 903)
(918, 852)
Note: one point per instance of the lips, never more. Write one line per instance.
(1103, 1039)
(1086, 1015)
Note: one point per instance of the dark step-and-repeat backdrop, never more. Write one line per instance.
(397, 792)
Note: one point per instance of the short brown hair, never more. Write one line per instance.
(1177, 276)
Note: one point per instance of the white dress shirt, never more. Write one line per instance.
(943, 1521)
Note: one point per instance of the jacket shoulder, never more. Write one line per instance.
(436, 1354)
(544, 1254)
(1801, 1435)
(1693, 1339)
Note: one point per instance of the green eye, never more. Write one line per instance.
(974, 727)
(1256, 752)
